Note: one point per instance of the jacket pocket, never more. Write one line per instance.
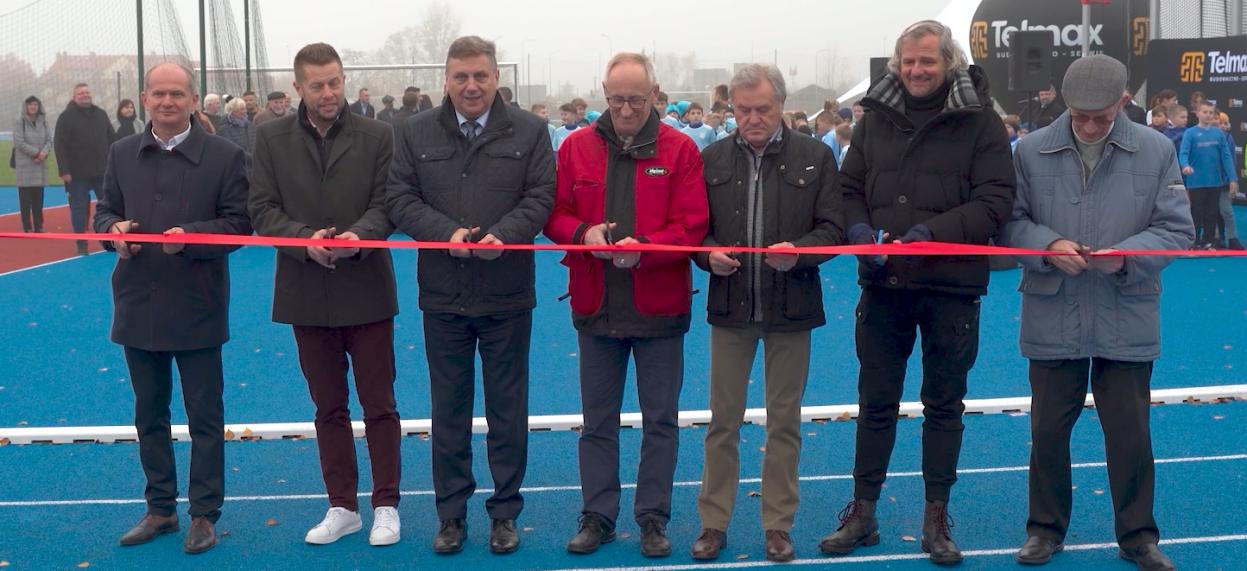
(588, 196)
(803, 298)
(1044, 319)
(585, 284)
(1138, 315)
(719, 301)
(800, 176)
(664, 291)
(505, 167)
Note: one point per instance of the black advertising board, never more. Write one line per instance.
(1119, 29)
(1215, 66)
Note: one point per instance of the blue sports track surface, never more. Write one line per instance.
(62, 506)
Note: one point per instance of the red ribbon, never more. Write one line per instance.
(912, 249)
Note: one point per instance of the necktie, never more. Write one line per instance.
(470, 129)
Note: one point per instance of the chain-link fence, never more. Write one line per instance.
(1178, 19)
(48, 46)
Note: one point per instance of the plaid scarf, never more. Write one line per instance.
(889, 92)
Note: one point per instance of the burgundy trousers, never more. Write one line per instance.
(323, 355)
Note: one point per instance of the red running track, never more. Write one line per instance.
(22, 254)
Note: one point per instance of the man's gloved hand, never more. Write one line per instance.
(919, 233)
(860, 235)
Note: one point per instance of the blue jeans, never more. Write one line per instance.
(79, 189)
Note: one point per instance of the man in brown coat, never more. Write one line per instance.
(321, 173)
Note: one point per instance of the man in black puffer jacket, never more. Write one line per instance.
(930, 161)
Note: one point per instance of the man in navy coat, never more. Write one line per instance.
(171, 301)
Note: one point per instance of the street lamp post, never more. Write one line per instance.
(816, 68)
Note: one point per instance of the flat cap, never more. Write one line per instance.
(1094, 83)
(275, 95)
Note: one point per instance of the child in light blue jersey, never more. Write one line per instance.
(701, 134)
(571, 122)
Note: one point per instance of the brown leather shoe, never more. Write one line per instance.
(150, 527)
(779, 546)
(201, 537)
(709, 544)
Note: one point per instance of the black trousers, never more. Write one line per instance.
(30, 201)
(659, 378)
(887, 325)
(1122, 399)
(451, 343)
(1206, 211)
(151, 375)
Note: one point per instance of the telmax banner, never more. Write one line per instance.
(1216, 67)
(1119, 30)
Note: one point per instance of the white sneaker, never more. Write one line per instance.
(385, 526)
(338, 522)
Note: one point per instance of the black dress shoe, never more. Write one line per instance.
(150, 527)
(654, 542)
(1038, 550)
(502, 536)
(709, 544)
(1147, 557)
(450, 536)
(201, 537)
(594, 531)
(937, 535)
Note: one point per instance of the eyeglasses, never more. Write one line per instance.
(636, 103)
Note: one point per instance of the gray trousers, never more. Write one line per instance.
(660, 375)
(1227, 216)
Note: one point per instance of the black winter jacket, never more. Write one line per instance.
(800, 203)
(83, 135)
(503, 182)
(954, 175)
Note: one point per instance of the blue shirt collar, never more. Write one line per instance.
(482, 120)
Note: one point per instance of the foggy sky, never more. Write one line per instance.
(570, 40)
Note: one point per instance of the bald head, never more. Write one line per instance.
(169, 72)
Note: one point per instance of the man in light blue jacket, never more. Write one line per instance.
(1091, 184)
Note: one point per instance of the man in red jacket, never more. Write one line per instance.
(627, 180)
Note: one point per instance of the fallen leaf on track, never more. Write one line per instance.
(743, 556)
(271, 522)
(908, 538)
(84, 564)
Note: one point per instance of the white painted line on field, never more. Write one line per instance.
(573, 422)
(576, 488)
(899, 556)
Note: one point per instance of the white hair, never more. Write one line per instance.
(212, 98)
(235, 104)
(752, 75)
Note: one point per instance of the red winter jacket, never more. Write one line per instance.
(671, 208)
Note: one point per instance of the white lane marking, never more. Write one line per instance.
(575, 488)
(899, 556)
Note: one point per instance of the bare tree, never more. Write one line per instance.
(19, 83)
(675, 71)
